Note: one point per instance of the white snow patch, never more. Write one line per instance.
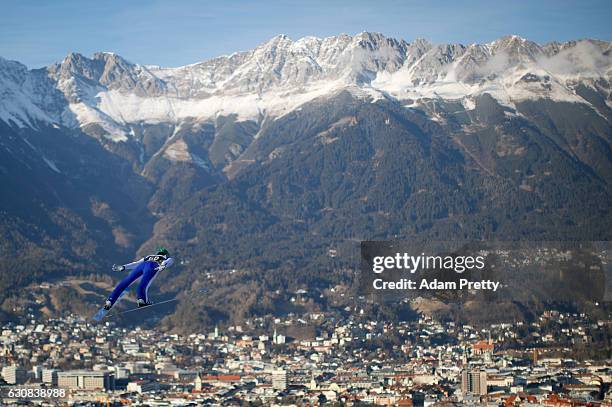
(17, 107)
(51, 165)
(87, 115)
(29, 144)
(468, 103)
(200, 162)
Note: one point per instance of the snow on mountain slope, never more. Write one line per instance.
(280, 75)
(22, 96)
(511, 69)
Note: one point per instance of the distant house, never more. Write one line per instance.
(405, 402)
(555, 401)
(220, 380)
(143, 386)
(482, 347)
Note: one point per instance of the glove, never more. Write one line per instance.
(160, 268)
(118, 268)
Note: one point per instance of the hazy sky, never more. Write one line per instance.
(173, 33)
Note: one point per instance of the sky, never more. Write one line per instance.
(180, 32)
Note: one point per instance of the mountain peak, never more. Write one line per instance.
(73, 56)
(370, 36)
(110, 56)
(7, 64)
(276, 40)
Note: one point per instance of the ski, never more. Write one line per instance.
(145, 307)
(200, 291)
(100, 314)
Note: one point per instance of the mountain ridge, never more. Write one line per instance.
(108, 90)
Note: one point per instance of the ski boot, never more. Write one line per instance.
(142, 303)
(108, 304)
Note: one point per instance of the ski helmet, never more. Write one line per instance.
(162, 251)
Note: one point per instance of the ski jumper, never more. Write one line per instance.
(147, 268)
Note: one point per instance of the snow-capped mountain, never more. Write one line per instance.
(265, 159)
(280, 75)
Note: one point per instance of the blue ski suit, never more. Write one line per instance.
(147, 268)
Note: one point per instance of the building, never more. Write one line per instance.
(483, 347)
(143, 386)
(220, 379)
(474, 382)
(197, 383)
(37, 372)
(183, 375)
(131, 348)
(14, 374)
(278, 339)
(86, 380)
(121, 372)
(279, 380)
(418, 399)
(49, 376)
